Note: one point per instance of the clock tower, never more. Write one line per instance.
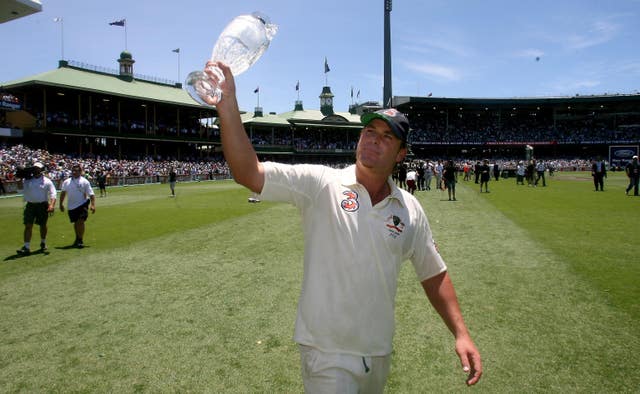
(326, 101)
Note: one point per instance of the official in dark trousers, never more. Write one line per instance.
(633, 172)
(598, 172)
(40, 196)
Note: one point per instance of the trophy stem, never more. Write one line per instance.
(203, 89)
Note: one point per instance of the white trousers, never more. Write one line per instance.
(324, 373)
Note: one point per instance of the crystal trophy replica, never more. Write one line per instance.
(240, 44)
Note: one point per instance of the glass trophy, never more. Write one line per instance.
(240, 45)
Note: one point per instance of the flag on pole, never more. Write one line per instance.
(177, 50)
(121, 23)
(430, 94)
(297, 86)
(352, 92)
(358, 95)
(326, 66)
(56, 20)
(257, 90)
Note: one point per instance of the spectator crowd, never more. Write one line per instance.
(466, 130)
(58, 165)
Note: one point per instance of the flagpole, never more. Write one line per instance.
(122, 23)
(62, 37)
(326, 70)
(59, 19)
(177, 50)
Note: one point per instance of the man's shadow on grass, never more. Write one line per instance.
(20, 255)
(42, 252)
(72, 246)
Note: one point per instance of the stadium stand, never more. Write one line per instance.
(92, 113)
(580, 126)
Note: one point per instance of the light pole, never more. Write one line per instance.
(386, 90)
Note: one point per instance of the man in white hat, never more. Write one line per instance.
(40, 195)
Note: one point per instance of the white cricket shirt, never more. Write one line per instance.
(39, 189)
(353, 254)
(78, 191)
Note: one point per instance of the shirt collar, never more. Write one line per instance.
(348, 179)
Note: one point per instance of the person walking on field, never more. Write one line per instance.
(598, 172)
(172, 181)
(40, 196)
(101, 178)
(428, 175)
(633, 172)
(450, 176)
(411, 180)
(81, 200)
(358, 229)
(540, 169)
(438, 171)
(421, 175)
(402, 175)
(520, 172)
(485, 176)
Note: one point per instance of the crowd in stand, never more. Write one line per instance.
(425, 129)
(105, 122)
(470, 131)
(318, 140)
(58, 165)
(473, 131)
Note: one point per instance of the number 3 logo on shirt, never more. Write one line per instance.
(350, 204)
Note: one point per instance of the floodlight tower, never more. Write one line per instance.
(386, 89)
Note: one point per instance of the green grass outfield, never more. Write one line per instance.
(198, 293)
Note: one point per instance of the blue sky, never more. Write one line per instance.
(448, 48)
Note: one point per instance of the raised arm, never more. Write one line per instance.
(238, 151)
(442, 295)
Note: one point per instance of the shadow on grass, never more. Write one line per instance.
(72, 246)
(20, 255)
(42, 252)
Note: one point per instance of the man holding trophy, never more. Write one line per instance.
(359, 227)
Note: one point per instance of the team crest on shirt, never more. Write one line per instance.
(395, 225)
(350, 203)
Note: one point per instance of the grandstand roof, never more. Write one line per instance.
(317, 118)
(317, 115)
(250, 119)
(401, 101)
(303, 118)
(14, 9)
(92, 81)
